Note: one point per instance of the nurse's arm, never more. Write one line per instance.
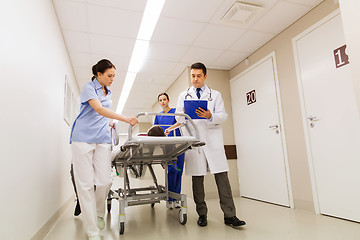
(169, 129)
(103, 111)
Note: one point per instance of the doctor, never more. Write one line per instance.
(211, 156)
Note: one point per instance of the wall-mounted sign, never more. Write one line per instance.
(341, 58)
(251, 97)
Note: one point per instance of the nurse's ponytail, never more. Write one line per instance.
(101, 67)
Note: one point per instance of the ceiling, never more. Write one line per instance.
(187, 31)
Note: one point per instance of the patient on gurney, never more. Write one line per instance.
(156, 131)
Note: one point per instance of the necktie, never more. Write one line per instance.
(198, 92)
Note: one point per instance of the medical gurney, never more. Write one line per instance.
(139, 152)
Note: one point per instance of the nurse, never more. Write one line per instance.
(211, 156)
(91, 146)
(174, 172)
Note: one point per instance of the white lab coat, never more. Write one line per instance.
(211, 156)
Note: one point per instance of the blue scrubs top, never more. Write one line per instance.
(89, 126)
(168, 121)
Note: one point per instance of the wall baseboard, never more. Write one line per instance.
(44, 230)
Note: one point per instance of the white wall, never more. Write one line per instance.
(35, 148)
(350, 16)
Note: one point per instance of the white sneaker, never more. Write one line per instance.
(170, 204)
(95, 237)
(177, 204)
(100, 223)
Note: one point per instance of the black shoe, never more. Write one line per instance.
(202, 221)
(77, 209)
(234, 222)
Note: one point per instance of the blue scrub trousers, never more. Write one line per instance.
(174, 176)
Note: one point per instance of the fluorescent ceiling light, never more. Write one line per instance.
(138, 55)
(151, 16)
(129, 80)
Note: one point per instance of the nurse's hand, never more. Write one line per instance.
(133, 121)
(203, 113)
(167, 131)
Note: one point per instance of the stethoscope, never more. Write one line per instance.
(189, 95)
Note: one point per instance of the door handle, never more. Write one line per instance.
(275, 127)
(312, 120)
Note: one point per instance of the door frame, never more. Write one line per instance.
(280, 116)
(303, 108)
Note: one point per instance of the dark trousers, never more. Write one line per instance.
(224, 190)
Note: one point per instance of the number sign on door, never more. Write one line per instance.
(341, 58)
(251, 97)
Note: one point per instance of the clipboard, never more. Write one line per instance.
(191, 105)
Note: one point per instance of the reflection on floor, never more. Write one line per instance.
(264, 222)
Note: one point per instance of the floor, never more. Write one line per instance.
(264, 222)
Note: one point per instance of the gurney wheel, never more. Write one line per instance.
(122, 228)
(182, 218)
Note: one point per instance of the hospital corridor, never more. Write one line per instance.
(180, 119)
(264, 221)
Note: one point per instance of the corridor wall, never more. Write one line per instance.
(35, 149)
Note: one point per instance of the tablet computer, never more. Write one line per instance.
(191, 105)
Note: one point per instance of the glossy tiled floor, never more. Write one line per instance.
(264, 222)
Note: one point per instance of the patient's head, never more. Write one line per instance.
(156, 131)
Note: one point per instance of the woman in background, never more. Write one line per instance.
(174, 172)
(91, 146)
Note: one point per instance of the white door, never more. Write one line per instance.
(330, 116)
(258, 134)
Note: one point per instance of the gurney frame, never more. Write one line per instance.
(133, 157)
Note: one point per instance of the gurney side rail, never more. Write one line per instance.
(166, 114)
